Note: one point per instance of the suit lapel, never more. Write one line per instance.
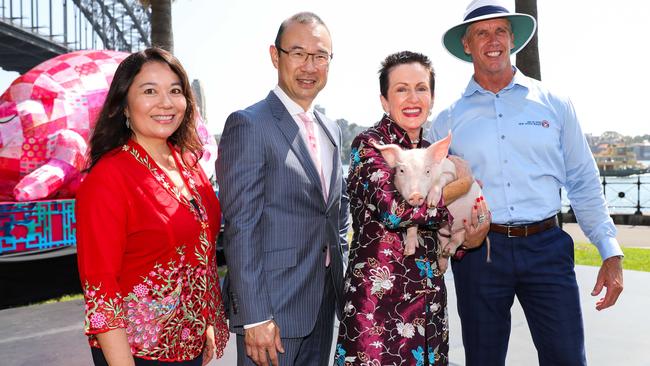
(336, 168)
(321, 121)
(291, 132)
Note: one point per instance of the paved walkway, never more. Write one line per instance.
(51, 334)
(628, 236)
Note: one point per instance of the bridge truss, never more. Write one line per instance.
(32, 31)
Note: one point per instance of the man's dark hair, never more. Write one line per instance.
(304, 17)
(402, 58)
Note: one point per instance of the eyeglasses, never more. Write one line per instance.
(300, 56)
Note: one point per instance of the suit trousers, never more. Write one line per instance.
(312, 350)
(539, 270)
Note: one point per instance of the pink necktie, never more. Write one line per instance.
(313, 148)
(313, 151)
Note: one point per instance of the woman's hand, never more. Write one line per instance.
(477, 229)
(210, 346)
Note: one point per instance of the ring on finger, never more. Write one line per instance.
(481, 218)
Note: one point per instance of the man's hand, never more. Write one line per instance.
(263, 343)
(610, 275)
(477, 229)
(210, 346)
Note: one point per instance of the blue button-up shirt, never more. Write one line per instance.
(524, 143)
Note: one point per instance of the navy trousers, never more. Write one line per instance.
(539, 270)
(312, 350)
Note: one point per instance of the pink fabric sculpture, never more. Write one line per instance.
(46, 116)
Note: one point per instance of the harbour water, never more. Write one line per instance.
(624, 195)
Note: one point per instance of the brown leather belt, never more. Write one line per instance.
(524, 230)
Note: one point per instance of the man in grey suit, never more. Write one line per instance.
(285, 208)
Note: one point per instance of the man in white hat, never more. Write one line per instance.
(524, 143)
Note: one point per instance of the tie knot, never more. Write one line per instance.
(305, 118)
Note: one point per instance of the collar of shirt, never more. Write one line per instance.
(294, 110)
(292, 107)
(325, 149)
(517, 79)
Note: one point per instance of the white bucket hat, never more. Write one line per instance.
(523, 26)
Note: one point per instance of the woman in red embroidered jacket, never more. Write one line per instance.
(147, 222)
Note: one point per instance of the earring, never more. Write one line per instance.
(127, 123)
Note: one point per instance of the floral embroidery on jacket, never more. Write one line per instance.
(102, 313)
(161, 310)
(394, 305)
(167, 310)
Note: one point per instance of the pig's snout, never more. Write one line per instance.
(416, 199)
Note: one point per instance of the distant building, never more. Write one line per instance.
(641, 150)
(617, 159)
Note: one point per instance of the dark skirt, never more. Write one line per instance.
(99, 360)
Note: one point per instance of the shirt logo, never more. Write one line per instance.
(544, 123)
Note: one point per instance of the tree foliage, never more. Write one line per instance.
(161, 23)
(349, 131)
(528, 57)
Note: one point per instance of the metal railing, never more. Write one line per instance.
(623, 195)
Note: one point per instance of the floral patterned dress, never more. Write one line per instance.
(147, 258)
(395, 306)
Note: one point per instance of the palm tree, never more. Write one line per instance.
(528, 57)
(161, 23)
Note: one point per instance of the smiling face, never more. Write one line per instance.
(302, 80)
(409, 98)
(155, 103)
(489, 43)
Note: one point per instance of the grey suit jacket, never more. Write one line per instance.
(277, 224)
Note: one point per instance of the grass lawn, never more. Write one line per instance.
(637, 259)
(62, 298)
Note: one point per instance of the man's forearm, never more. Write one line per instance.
(456, 189)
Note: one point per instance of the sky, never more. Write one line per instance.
(589, 51)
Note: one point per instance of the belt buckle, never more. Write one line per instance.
(509, 235)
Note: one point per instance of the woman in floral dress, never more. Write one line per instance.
(147, 223)
(395, 310)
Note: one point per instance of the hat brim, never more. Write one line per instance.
(523, 28)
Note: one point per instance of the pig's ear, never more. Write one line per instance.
(391, 153)
(439, 149)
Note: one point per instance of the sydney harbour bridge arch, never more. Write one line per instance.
(32, 31)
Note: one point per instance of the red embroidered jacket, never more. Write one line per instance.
(147, 256)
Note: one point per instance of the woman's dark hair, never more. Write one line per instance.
(111, 131)
(401, 58)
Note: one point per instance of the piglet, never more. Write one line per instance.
(420, 174)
